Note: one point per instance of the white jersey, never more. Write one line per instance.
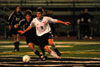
(42, 26)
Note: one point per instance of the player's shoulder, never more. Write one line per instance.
(12, 13)
(23, 20)
(33, 19)
(46, 17)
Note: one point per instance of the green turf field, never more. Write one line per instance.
(81, 49)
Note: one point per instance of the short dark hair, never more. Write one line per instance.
(28, 12)
(40, 9)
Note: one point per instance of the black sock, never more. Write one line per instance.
(43, 51)
(16, 45)
(54, 47)
(37, 53)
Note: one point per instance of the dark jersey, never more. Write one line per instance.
(14, 18)
(84, 18)
(23, 24)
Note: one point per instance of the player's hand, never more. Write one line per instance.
(21, 32)
(16, 26)
(9, 27)
(67, 23)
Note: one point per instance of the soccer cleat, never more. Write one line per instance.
(57, 52)
(43, 58)
(16, 50)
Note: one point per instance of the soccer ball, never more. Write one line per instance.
(26, 58)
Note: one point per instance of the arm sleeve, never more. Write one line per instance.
(21, 23)
(10, 18)
(21, 15)
(51, 20)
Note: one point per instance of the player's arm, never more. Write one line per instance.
(20, 24)
(10, 19)
(58, 21)
(22, 32)
(66, 23)
(29, 27)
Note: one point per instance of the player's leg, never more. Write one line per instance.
(51, 42)
(15, 42)
(34, 50)
(18, 39)
(52, 53)
(43, 51)
(89, 31)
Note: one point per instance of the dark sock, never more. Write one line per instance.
(56, 50)
(43, 51)
(16, 45)
(54, 47)
(37, 53)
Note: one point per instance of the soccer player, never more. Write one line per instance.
(50, 40)
(84, 21)
(13, 20)
(30, 35)
(43, 30)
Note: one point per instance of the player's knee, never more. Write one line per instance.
(47, 49)
(31, 45)
(51, 42)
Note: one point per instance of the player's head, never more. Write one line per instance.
(39, 12)
(28, 15)
(18, 8)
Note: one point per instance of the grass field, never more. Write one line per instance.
(69, 49)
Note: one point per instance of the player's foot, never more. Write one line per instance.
(57, 52)
(43, 58)
(58, 57)
(16, 50)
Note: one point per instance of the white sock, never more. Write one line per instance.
(54, 54)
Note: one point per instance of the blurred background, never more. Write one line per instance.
(66, 10)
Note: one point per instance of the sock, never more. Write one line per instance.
(54, 54)
(43, 51)
(54, 46)
(37, 53)
(16, 45)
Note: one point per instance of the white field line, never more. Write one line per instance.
(63, 52)
(49, 65)
(6, 57)
(74, 42)
(56, 61)
(12, 46)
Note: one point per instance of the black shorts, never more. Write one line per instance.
(43, 40)
(13, 31)
(32, 40)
